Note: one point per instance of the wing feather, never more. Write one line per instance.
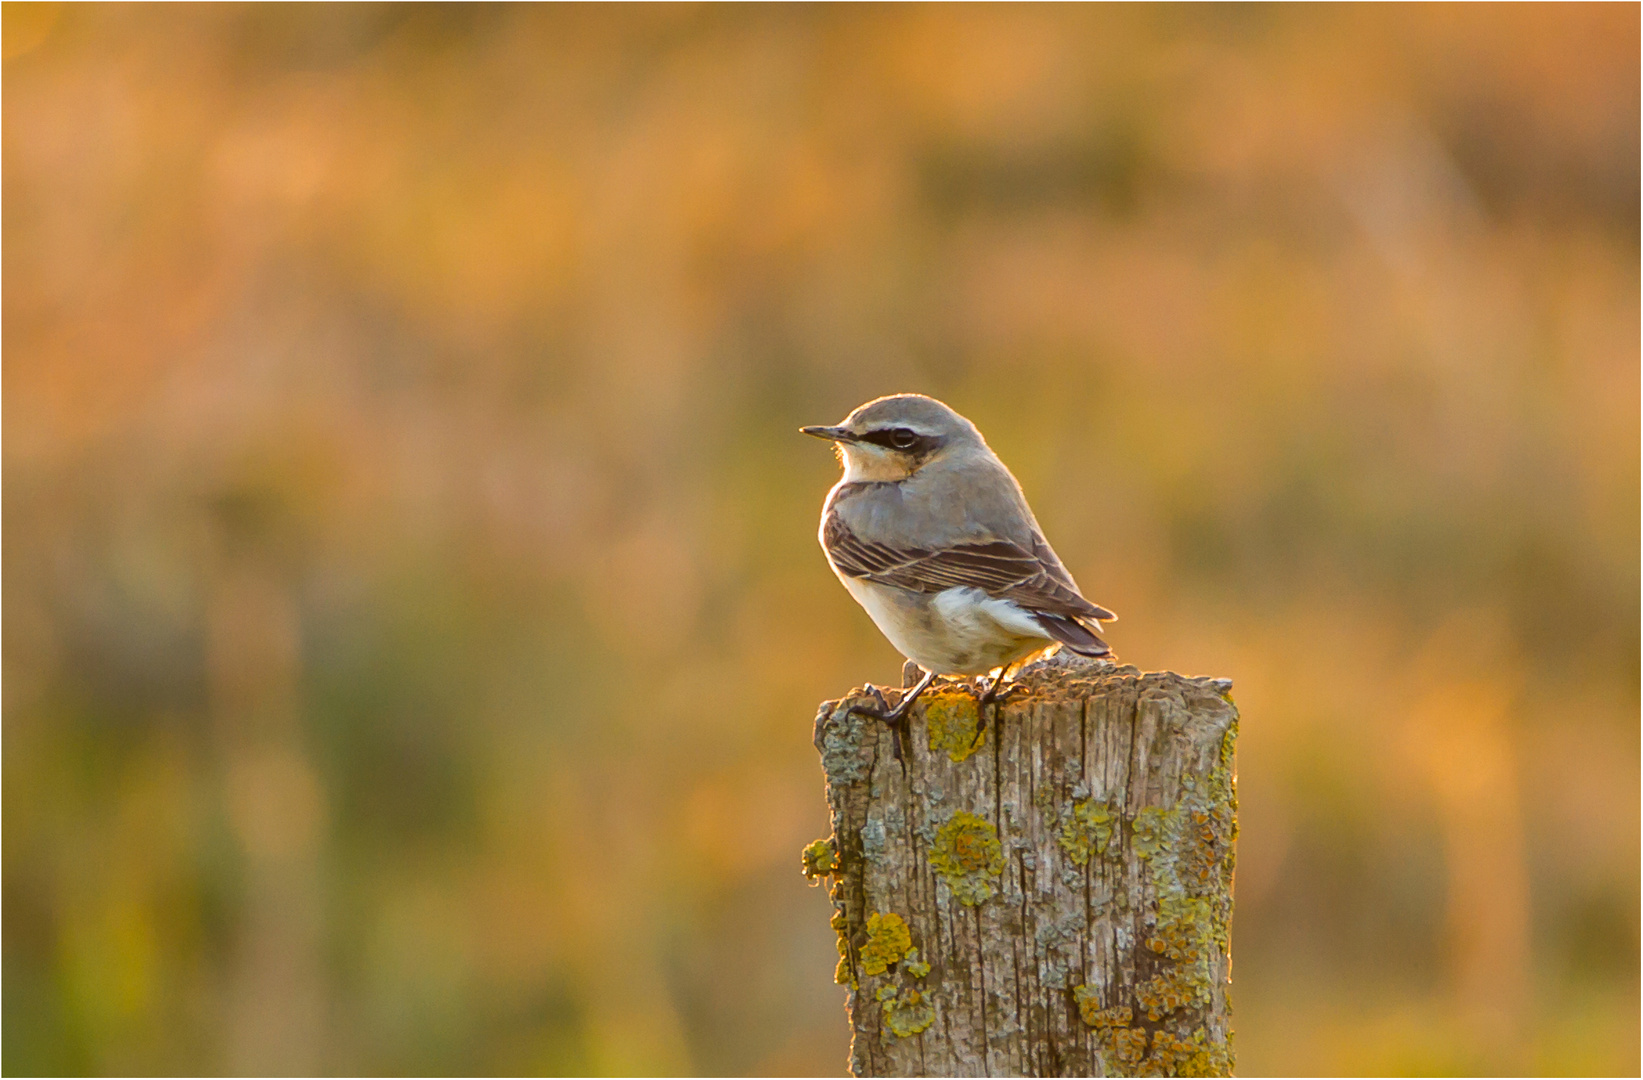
(1034, 580)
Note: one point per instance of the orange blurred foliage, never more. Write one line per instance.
(412, 613)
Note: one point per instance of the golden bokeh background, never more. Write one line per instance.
(413, 620)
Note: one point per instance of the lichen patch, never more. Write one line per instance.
(819, 859)
(887, 942)
(950, 720)
(969, 858)
(1087, 830)
(906, 1013)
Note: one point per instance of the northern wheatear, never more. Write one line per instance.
(931, 534)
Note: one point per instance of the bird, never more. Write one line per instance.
(930, 533)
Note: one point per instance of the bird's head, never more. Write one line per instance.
(890, 438)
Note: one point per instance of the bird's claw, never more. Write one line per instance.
(881, 711)
(995, 697)
(1000, 697)
(896, 718)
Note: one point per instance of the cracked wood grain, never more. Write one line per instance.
(1052, 899)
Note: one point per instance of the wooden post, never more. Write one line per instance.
(1053, 901)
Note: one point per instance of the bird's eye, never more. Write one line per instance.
(902, 439)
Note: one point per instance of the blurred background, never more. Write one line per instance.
(413, 619)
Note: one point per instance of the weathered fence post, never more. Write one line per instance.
(1052, 901)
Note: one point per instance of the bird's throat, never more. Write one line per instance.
(868, 464)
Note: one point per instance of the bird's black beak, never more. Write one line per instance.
(833, 434)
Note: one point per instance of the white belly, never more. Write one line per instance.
(961, 631)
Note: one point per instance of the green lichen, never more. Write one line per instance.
(1125, 1046)
(1224, 780)
(1164, 993)
(1197, 1055)
(1089, 1007)
(1087, 830)
(844, 736)
(951, 722)
(915, 966)
(1229, 740)
(819, 860)
(967, 855)
(1151, 830)
(841, 925)
(1188, 849)
(905, 1013)
(1208, 832)
(887, 942)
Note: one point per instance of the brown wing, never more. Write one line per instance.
(998, 568)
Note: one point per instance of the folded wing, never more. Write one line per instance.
(1034, 581)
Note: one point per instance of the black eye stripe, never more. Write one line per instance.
(905, 440)
(894, 438)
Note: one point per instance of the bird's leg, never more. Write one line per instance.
(896, 717)
(989, 696)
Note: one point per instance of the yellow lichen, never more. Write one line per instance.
(1195, 1056)
(1188, 849)
(1205, 849)
(906, 1014)
(1164, 993)
(1151, 830)
(842, 974)
(1177, 940)
(1125, 1046)
(967, 855)
(887, 942)
(1089, 1007)
(950, 719)
(1187, 935)
(1122, 1045)
(1087, 830)
(915, 966)
(819, 859)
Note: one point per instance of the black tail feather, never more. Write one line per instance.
(1073, 635)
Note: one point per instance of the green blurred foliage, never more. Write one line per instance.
(412, 616)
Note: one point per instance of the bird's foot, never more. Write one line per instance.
(896, 717)
(878, 712)
(995, 697)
